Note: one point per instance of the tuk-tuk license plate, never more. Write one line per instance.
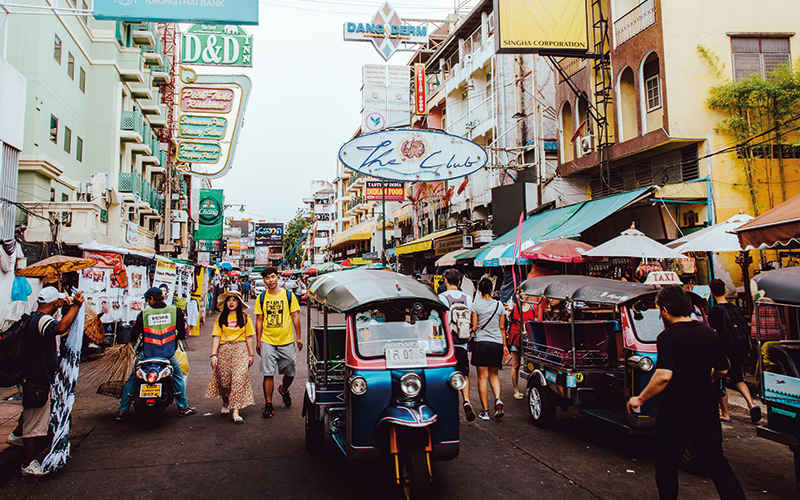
(150, 391)
(405, 357)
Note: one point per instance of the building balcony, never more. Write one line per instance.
(356, 182)
(160, 73)
(131, 126)
(153, 54)
(144, 33)
(634, 22)
(142, 90)
(130, 65)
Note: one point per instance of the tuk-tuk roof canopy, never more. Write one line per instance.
(778, 286)
(584, 289)
(343, 291)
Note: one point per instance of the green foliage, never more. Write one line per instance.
(712, 59)
(292, 232)
(758, 113)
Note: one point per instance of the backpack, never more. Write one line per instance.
(264, 296)
(460, 319)
(14, 358)
(737, 339)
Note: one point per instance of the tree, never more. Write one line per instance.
(295, 229)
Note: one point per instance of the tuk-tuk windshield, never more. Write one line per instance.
(383, 327)
(646, 319)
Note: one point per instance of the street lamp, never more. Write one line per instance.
(225, 207)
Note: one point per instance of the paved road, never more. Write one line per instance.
(206, 456)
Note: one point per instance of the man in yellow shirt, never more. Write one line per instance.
(274, 310)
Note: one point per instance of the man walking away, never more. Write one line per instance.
(164, 337)
(690, 356)
(246, 290)
(277, 313)
(732, 329)
(41, 339)
(459, 318)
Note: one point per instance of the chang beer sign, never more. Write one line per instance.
(210, 224)
(217, 45)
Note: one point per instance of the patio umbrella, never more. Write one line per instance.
(716, 238)
(558, 250)
(633, 243)
(226, 265)
(57, 264)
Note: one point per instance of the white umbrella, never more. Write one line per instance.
(716, 238)
(633, 243)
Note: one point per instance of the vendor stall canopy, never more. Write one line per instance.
(344, 291)
(717, 238)
(779, 226)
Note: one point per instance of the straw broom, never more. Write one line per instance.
(111, 370)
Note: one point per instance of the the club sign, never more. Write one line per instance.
(413, 155)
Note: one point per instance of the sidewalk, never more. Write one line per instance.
(10, 456)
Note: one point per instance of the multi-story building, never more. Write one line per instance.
(321, 209)
(92, 165)
(638, 116)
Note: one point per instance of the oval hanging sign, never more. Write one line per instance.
(410, 155)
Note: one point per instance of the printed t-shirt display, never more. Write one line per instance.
(276, 317)
(231, 332)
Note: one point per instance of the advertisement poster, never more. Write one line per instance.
(395, 191)
(210, 226)
(269, 234)
(165, 278)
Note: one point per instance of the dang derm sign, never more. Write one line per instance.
(411, 155)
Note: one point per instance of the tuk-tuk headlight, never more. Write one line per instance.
(410, 384)
(358, 385)
(643, 363)
(458, 381)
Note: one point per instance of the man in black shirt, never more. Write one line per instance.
(690, 355)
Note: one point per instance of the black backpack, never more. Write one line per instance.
(737, 338)
(14, 358)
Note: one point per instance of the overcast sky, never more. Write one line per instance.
(306, 98)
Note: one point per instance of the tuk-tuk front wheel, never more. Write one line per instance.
(541, 403)
(315, 429)
(415, 473)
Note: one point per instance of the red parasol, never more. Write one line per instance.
(558, 250)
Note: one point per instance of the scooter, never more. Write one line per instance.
(154, 390)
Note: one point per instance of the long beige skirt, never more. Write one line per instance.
(231, 379)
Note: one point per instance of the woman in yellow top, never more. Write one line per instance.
(232, 355)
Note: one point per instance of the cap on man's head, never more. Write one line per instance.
(154, 293)
(416, 275)
(49, 294)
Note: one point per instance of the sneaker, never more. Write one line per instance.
(187, 411)
(14, 440)
(468, 411)
(120, 416)
(755, 414)
(483, 414)
(34, 469)
(269, 411)
(287, 398)
(498, 409)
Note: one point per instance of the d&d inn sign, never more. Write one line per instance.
(217, 45)
(413, 155)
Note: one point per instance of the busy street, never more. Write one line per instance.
(208, 456)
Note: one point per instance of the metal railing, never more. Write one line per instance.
(132, 120)
(353, 178)
(634, 22)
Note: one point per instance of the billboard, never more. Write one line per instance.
(185, 11)
(386, 31)
(409, 155)
(549, 26)
(269, 234)
(395, 191)
(385, 98)
(217, 45)
(210, 223)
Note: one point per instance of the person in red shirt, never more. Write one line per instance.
(516, 324)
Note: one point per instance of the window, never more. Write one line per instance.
(82, 81)
(54, 129)
(652, 84)
(85, 7)
(52, 194)
(57, 50)
(70, 65)
(758, 55)
(67, 139)
(64, 197)
(79, 149)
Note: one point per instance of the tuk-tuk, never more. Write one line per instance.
(777, 298)
(383, 385)
(599, 355)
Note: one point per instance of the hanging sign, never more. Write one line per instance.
(541, 26)
(386, 31)
(210, 224)
(202, 127)
(420, 90)
(217, 45)
(413, 155)
(165, 278)
(199, 152)
(395, 191)
(206, 99)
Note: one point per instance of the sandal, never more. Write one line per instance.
(518, 395)
(238, 420)
(225, 411)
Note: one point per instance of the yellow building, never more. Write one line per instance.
(642, 119)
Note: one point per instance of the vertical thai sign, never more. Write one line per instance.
(210, 224)
(420, 90)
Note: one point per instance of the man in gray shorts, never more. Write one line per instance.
(278, 330)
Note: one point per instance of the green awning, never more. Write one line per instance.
(593, 212)
(470, 254)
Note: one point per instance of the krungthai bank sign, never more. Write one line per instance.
(386, 31)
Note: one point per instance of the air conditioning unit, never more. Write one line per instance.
(84, 191)
(587, 144)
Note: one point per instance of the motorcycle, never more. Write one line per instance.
(154, 391)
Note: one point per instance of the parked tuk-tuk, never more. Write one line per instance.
(383, 385)
(777, 301)
(599, 355)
